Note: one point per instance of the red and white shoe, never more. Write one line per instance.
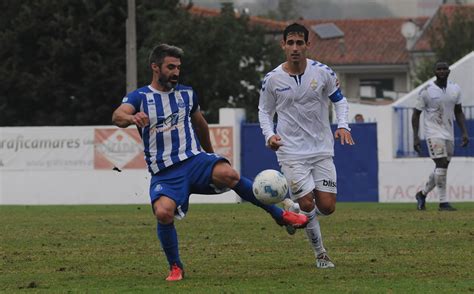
(176, 273)
(296, 220)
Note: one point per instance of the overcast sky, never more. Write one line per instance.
(332, 9)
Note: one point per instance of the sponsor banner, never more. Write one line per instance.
(45, 148)
(118, 148)
(400, 180)
(222, 140)
(79, 148)
(123, 148)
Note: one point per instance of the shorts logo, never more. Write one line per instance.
(329, 183)
(158, 188)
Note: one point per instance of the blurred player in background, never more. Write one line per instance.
(178, 151)
(441, 102)
(299, 91)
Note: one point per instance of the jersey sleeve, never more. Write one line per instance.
(266, 108)
(458, 99)
(195, 106)
(134, 99)
(332, 85)
(420, 101)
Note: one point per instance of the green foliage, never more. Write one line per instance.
(451, 39)
(225, 56)
(235, 248)
(62, 62)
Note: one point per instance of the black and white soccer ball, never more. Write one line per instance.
(270, 186)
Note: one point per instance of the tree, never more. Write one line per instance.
(62, 62)
(225, 56)
(450, 39)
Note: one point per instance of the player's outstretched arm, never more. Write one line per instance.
(202, 130)
(461, 120)
(125, 115)
(415, 123)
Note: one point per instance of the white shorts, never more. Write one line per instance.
(439, 148)
(304, 176)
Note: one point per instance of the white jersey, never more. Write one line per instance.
(438, 109)
(301, 103)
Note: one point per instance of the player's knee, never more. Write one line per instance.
(306, 203)
(164, 216)
(442, 163)
(326, 202)
(226, 175)
(327, 210)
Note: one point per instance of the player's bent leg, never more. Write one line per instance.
(164, 209)
(223, 175)
(313, 231)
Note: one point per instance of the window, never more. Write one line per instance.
(373, 88)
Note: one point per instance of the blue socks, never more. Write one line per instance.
(244, 189)
(169, 243)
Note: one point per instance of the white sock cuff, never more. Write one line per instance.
(311, 214)
(440, 171)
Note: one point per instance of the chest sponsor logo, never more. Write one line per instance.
(283, 89)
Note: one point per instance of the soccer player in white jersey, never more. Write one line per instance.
(299, 91)
(178, 152)
(440, 101)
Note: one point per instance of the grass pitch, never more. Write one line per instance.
(236, 248)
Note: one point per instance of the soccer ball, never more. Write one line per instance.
(270, 186)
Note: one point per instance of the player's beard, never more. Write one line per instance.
(168, 82)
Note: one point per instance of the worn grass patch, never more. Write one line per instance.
(236, 248)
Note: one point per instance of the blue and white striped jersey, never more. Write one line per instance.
(170, 137)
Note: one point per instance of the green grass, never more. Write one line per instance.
(236, 248)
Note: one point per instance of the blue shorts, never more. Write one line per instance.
(193, 175)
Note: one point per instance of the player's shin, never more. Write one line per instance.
(169, 242)
(440, 179)
(313, 231)
(430, 184)
(244, 189)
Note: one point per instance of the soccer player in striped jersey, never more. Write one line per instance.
(440, 101)
(179, 153)
(299, 91)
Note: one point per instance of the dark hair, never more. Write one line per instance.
(435, 66)
(295, 28)
(161, 51)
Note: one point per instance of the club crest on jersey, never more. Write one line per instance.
(179, 100)
(313, 84)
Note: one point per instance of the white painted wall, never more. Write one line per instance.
(91, 186)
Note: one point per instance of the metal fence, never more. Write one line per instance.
(405, 133)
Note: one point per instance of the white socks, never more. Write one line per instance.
(440, 175)
(313, 231)
(429, 185)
